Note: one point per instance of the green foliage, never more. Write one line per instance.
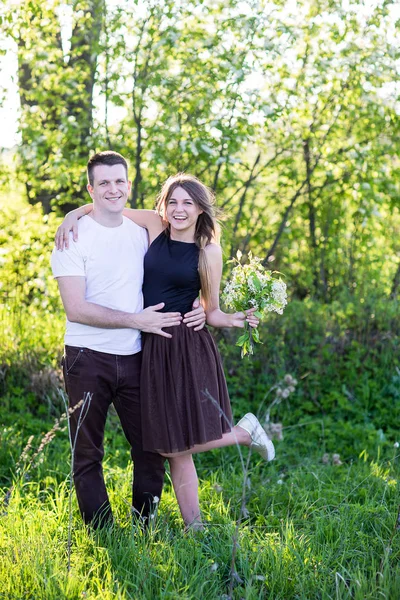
(288, 111)
(26, 242)
(56, 95)
(31, 314)
(344, 355)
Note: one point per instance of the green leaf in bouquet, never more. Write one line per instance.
(258, 314)
(242, 339)
(256, 335)
(257, 282)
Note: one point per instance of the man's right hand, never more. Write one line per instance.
(151, 321)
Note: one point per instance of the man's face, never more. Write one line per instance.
(110, 188)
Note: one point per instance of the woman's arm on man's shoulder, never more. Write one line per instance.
(148, 219)
(70, 223)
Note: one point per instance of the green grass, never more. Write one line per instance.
(312, 530)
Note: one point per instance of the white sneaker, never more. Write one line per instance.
(260, 442)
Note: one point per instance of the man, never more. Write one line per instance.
(100, 279)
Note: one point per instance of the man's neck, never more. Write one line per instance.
(108, 219)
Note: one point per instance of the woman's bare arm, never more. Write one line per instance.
(144, 218)
(70, 223)
(148, 219)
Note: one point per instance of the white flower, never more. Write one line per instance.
(278, 291)
(336, 459)
(252, 287)
(274, 430)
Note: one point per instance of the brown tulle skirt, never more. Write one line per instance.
(184, 398)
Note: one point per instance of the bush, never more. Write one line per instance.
(344, 355)
(26, 242)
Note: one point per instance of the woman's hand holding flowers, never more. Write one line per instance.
(253, 285)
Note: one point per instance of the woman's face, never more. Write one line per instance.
(182, 212)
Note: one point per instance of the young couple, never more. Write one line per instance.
(169, 388)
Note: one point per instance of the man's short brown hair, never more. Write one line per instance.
(109, 158)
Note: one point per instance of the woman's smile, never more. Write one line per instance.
(182, 212)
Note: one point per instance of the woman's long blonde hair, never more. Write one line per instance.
(207, 229)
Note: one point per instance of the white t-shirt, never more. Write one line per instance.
(111, 260)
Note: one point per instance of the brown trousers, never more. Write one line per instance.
(109, 378)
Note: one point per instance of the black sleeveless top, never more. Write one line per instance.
(171, 274)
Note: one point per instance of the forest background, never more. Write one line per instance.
(290, 112)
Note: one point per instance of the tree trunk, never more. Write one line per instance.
(83, 63)
(242, 200)
(138, 158)
(395, 284)
(311, 217)
(50, 90)
(283, 223)
(31, 78)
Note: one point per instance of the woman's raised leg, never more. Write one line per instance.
(237, 436)
(248, 432)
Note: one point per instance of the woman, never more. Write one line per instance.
(185, 402)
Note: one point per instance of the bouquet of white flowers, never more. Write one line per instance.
(253, 286)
